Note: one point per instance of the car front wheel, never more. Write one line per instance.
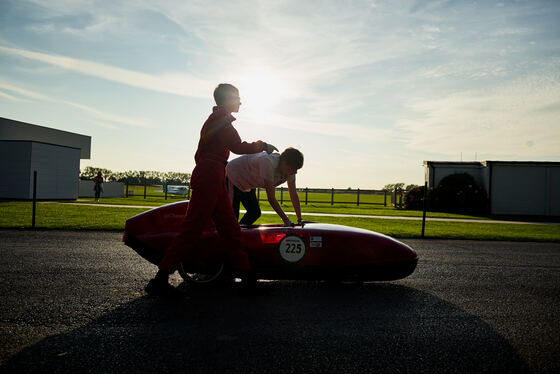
(210, 274)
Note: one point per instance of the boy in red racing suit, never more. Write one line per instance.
(210, 199)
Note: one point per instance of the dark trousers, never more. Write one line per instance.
(209, 202)
(251, 204)
(97, 188)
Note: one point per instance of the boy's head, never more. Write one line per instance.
(227, 96)
(290, 161)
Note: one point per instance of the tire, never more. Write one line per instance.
(214, 274)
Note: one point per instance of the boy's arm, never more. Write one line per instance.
(271, 195)
(229, 136)
(295, 198)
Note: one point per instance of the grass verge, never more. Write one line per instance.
(64, 216)
(373, 210)
(83, 217)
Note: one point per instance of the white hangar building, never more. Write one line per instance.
(54, 154)
(513, 187)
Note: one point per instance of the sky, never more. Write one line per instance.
(366, 90)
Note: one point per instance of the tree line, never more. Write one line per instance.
(138, 177)
(398, 186)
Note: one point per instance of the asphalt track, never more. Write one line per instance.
(73, 302)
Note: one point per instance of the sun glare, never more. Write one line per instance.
(261, 91)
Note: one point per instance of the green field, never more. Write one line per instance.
(340, 196)
(318, 202)
(325, 207)
(85, 217)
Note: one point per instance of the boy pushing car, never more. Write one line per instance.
(209, 199)
(262, 170)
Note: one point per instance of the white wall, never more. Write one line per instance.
(110, 189)
(525, 189)
(554, 190)
(15, 160)
(58, 170)
(518, 190)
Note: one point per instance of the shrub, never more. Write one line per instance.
(413, 199)
(458, 193)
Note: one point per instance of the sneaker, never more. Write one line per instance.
(157, 287)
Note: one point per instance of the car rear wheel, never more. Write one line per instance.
(211, 274)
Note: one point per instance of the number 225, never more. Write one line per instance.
(293, 248)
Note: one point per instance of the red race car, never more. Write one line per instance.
(314, 251)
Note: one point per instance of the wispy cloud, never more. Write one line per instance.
(102, 115)
(315, 125)
(306, 41)
(178, 84)
(104, 125)
(421, 77)
(508, 121)
(92, 30)
(10, 97)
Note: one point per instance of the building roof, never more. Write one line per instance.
(21, 131)
(523, 163)
(462, 163)
(491, 163)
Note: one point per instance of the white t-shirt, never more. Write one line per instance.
(251, 171)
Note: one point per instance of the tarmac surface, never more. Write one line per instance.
(74, 302)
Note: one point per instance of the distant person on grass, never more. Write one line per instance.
(261, 170)
(98, 185)
(210, 199)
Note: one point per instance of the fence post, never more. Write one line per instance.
(34, 197)
(145, 185)
(281, 195)
(306, 190)
(424, 208)
(165, 186)
(126, 187)
(332, 196)
(385, 197)
(358, 199)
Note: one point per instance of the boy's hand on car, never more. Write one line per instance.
(269, 148)
(288, 223)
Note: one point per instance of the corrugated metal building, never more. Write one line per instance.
(54, 154)
(513, 187)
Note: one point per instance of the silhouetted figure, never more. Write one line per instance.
(98, 185)
(261, 170)
(209, 199)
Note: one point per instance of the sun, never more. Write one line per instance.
(261, 91)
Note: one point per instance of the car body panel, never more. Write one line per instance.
(325, 250)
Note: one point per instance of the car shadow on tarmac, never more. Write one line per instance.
(285, 327)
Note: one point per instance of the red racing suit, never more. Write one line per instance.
(209, 197)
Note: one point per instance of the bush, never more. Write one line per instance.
(413, 199)
(458, 193)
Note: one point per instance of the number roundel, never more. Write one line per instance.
(292, 248)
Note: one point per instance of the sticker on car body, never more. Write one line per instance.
(316, 242)
(292, 248)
